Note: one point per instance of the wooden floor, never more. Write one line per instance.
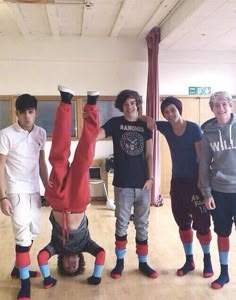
(165, 254)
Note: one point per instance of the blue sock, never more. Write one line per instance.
(117, 271)
(207, 270)
(45, 270)
(15, 274)
(95, 279)
(24, 292)
(145, 269)
(222, 279)
(187, 267)
(49, 282)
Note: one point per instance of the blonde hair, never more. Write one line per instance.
(218, 95)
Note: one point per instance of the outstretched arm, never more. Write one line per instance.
(151, 124)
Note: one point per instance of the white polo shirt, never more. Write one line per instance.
(22, 149)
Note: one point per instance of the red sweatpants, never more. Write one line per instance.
(68, 188)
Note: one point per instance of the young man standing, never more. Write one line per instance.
(218, 175)
(22, 162)
(188, 208)
(133, 177)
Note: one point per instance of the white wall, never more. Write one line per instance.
(220, 77)
(37, 66)
(179, 70)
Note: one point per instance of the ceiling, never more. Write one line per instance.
(185, 24)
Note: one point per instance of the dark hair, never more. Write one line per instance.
(61, 270)
(171, 100)
(25, 101)
(124, 95)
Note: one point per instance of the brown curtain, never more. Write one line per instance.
(152, 106)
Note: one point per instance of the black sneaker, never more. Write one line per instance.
(66, 94)
(92, 97)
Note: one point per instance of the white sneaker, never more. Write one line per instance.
(92, 93)
(64, 89)
(110, 205)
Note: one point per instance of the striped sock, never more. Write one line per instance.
(24, 293)
(222, 279)
(186, 237)
(43, 257)
(187, 267)
(223, 247)
(119, 267)
(23, 262)
(15, 274)
(96, 278)
(120, 254)
(142, 251)
(205, 240)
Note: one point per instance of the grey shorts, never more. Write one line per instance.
(78, 240)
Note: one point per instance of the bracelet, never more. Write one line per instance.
(151, 178)
(3, 198)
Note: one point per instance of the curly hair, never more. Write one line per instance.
(61, 270)
(124, 95)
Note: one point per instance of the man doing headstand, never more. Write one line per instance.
(68, 192)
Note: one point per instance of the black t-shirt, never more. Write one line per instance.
(129, 143)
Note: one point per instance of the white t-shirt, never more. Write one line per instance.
(22, 149)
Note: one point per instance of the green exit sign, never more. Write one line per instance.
(199, 90)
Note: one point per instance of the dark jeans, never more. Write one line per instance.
(225, 212)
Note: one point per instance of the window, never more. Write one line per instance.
(5, 113)
(46, 116)
(46, 112)
(107, 109)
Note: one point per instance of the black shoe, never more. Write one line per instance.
(92, 97)
(66, 94)
(131, 218)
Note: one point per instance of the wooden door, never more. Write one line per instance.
(205, 111)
